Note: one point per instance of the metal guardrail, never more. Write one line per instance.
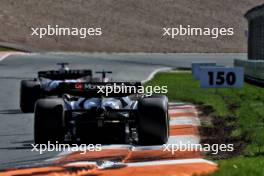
(253, 69)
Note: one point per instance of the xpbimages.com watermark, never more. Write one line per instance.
(188, 30)
(182, 147)
(122, 88)
(50, 147)
(81, 32)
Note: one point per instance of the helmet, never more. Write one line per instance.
(63, 67)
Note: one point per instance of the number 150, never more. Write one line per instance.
(222, 78)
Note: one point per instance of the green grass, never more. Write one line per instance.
(5, 49)
(247, 104)
(181, 86)
(241, 166)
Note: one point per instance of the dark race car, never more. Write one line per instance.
(84, 114)
(40, 87)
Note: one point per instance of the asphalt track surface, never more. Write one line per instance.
(16, 128)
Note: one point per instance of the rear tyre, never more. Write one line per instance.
(153, 127)
(48, 125)
(29, 94)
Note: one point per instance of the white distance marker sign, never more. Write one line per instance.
(221, 77)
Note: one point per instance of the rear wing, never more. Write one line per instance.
(66, 74)
(99, 89)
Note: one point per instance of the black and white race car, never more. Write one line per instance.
(83, 114)
(40, 87)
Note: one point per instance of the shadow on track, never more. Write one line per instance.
(22, 145)
(10, 111)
